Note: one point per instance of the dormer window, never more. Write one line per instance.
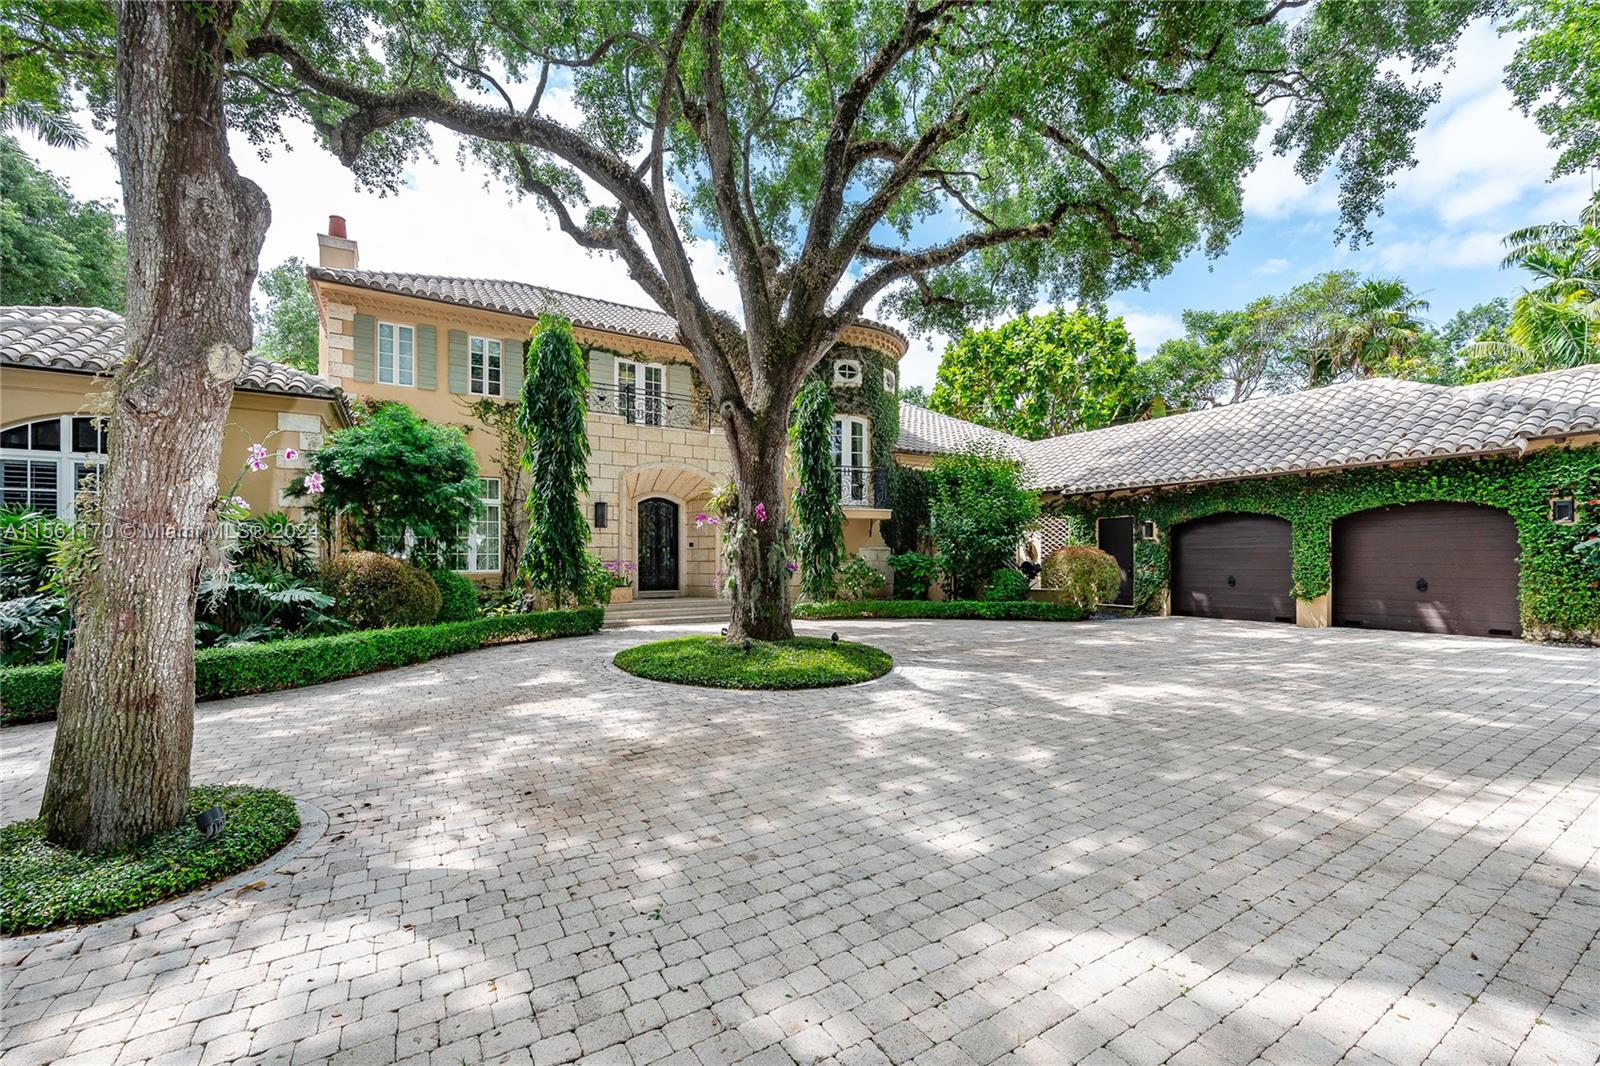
(846, 373)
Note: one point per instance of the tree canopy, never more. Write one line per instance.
(1042, 376)
(57, 250)
(286, 323)
(1555, 76)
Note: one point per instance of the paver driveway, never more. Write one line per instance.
(1143, 841)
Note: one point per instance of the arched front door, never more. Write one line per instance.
(658, 545)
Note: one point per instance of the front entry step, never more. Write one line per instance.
(672, 612)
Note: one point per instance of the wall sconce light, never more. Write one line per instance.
(599, 514)
(1564, 511)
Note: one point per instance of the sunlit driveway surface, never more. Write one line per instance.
(1160, 840)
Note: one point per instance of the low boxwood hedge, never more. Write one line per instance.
(30, 693)
(1007, 611)
(43, 886)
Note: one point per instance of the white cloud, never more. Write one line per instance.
(1477, 248)
(1271, 267)
(1149, 328)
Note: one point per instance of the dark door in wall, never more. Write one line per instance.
(1428, 568)
(1116, 540)
(658, 546)
(1233, 566)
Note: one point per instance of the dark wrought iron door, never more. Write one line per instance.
(658, 546)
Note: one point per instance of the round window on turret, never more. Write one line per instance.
(847, 373)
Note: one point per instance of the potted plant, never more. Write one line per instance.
(621, 580)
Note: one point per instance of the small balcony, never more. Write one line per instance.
(644, 406)
(864, 487)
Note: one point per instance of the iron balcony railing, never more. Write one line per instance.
(864, 486)
(644, 406)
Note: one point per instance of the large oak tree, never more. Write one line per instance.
(947, 157)
(120, 766)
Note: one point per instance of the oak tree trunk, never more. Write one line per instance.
(120, 768)
(759, 447)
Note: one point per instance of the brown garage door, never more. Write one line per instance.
(1427, 567)
(1233, 566)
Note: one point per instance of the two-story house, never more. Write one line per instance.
(440, 344)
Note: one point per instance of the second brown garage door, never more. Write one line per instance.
(1427, 567)
(1233, 566)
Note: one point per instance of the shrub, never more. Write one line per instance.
(1010, 610)
(370, 589)
(395, 478)
(458, 597)
(1006, 586)
(1086, 577)
(43, 886)
(914, 575)
(30, 693)
(978, 511)
(859, 580)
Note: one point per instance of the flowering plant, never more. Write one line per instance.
(621, 572)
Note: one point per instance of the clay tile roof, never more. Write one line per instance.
(931, 433)
(1351, 424)
(520, 298)
(90, 340)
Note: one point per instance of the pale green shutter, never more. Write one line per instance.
(427, 357)
(511, 368)
(602, 369)
(678, 381)
(364, 354)
(458, 361)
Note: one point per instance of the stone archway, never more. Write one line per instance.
(689, 489)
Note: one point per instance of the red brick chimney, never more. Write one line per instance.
(335, 249)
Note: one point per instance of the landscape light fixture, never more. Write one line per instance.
(210, 822)
(835, 637)
(747, 645)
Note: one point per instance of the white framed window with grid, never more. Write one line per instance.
(397, 354)
(44, 462)
(484, 367)
(480, 554)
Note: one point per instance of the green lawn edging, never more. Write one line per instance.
(996, 611)
(43, 886)
(712, 662)
(30, 693)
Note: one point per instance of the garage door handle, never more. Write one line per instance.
(1422, 584)
(1231, 581)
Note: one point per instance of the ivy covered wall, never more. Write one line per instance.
(1559, 587)
(869, 399)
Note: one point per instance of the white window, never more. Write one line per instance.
(396, 354)
(485, 376)
(888, 380)
(44, 462)
(481, 552)
(852, 458)
(846, 373)
(642, 392)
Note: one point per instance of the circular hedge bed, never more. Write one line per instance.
(712, 662)
(43, 886)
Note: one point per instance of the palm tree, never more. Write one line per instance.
(1555, 323)
(1377, 335)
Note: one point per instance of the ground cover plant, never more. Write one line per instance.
(712, 662)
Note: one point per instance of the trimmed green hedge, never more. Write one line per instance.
(1005, 611)
(29, 693)
(43, 886)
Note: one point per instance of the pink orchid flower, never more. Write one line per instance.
(761, 512)
(314, 482)
(290, 455)
(257, 459)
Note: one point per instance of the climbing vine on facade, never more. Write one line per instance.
(1559, 584)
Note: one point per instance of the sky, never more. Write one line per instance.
(1483, 170)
